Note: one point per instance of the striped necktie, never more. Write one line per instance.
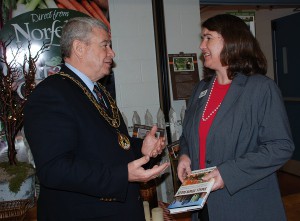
(101, 100)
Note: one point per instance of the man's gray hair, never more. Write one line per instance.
(78, 28)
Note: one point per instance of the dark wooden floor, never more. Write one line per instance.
(289, 187)
(289, 183)
(290, 192)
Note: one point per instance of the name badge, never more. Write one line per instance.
(203, 93)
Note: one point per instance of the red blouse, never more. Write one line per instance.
(213, 103)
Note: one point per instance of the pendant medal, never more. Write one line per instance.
(123, 141)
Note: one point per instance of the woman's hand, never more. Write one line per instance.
(153, 146)
(219, 183)
(184, 167)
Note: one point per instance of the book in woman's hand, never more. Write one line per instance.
(193, 192)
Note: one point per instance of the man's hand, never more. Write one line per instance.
(153, 146)
(136, 173)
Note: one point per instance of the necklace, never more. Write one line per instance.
(113, 120)
(208, 99)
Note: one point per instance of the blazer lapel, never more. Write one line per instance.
(235, 90)
(200, 100)
(202, 96)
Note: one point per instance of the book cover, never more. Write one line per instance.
(192, 193)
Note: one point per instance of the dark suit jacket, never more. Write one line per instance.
(80, 165)
(248, 141)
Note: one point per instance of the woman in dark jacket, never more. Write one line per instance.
(236, 120)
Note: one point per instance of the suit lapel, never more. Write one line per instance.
(122, 127)
(66, 70)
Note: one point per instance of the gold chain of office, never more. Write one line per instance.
(114, 121)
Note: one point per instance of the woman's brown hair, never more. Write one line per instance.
(241, 51)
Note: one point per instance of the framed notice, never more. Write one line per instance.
(184, 74)
(140, 131)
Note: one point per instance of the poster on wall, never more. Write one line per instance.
(184, 74)
(39, 22)
(248, 17)
(93, 8)
(34, 26)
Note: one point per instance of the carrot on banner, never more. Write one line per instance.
(80, 8)
(66, 4)
(100, 13)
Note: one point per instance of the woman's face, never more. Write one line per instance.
(211, 47)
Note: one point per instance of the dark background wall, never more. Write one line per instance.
(251, 2)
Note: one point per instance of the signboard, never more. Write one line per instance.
(26, 27)
(40, 23)
(37, 27)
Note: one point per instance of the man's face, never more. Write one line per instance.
(99, 55)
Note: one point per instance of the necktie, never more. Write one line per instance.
(101, 100)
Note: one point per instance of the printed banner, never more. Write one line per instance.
(27, 26)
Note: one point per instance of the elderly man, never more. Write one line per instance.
(87, 164)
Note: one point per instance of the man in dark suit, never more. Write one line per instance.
(87, 164)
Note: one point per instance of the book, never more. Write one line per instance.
(193, 192)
